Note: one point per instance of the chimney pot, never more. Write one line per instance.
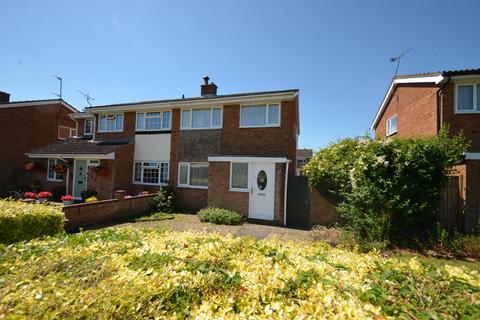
(4, 97)
(206, 78)
(208, 89)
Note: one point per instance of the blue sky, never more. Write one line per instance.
(335, 52)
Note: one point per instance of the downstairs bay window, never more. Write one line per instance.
(150, 172)
(193, 174)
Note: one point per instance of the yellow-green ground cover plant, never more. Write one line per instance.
(220, 216)
(388, 189)
(24, 221)
(129, 273)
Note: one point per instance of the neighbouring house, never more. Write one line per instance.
(234, 151)
(420, 105)
(303, 156)
(25, 125)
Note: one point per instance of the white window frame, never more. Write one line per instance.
(160, 183)
(54, 173)
(71, 132)
(388, 125)
(476, 108)
(248, 177)
(85, 127)
(266, 125)
(191, 119)
(188, 185)
(106, 115)
(145, 121)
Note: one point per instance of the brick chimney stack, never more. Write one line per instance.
(4, 97)
(208, 89)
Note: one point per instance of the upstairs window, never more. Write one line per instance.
(150, 172)
(392, 125)
(110, 123)
(52, 175)
(267, 115)
(153, 121)
(88, 127)
(194, 174)
(467, 98)
(208, 118)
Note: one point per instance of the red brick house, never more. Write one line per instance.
(25, 125)
(421, 104)
(233, 151)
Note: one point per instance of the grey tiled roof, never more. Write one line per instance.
(81, 146)
(439, 73)
(198, 98)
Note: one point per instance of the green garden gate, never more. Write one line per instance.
(298, 202)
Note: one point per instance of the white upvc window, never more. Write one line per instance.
(153, 121)
(467, 98)
(239, 176)
(391, 125)
(51, 174)
(193, 174)
(204, 118)
(110, 122)
(263, 115)
(88, 130)
(150, 172)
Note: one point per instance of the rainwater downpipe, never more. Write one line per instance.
(285, 194)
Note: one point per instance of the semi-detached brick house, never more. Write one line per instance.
(232, 151)
(25, 125)
(421, 104)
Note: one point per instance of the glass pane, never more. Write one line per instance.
(150, 175)
(153, 123)
(119, 122)
(138, 172)
(393, 125)
(51, 171)
(253, 116)
(465, 98)
(186, 119)
(183, 174)
(240, 175)
(164, 173)
(140, 121)
(262, 180)
(88, 127)
(110, 124)
(478, 97)
(198, 175)
(217, 117)
(273, 114)
(103, 123)
(166, 120)
(201, 118)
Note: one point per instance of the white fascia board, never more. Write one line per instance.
(472, 155)
(264, 98)
(108, 156)
(81, 115)
(247, 159)
(434, 79)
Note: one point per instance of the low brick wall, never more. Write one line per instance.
(89, 214)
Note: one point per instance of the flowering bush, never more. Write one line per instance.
(389, 190)
(24, 221)
(60, 168)
(68, 197)
(30, 195)
(127, 273)
(44, 194)
(164, 201)
(91, 199)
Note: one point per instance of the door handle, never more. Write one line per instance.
(251, 190)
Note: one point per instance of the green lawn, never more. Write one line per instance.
(440, 261)
(144, 273)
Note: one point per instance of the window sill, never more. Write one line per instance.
(238, 190)
(150, 184)
(265, 126)
(467, 111)
(391, 134)
(116, 131)
(54, 180)
(209, 128)
(186, 186)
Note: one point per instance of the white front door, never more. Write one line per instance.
(262, 189)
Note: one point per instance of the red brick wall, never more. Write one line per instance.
(279, 193)
(416, 107)
(89, 214)
(123, 167)
(218, 190)
(102, 183)
(191, 198)
(23, 129)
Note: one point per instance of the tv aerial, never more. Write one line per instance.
(59, 95)
(398, 58)
(87, 97)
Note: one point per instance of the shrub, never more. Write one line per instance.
(91, 199)
(466, 245)
(58, 192)
(87, 194)
(220, 216)
(24, 221)
(164, 201)
(388, 190)
(44, 194)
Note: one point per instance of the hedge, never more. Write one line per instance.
(25, 221)
(220, 216)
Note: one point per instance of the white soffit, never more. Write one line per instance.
(247, 159)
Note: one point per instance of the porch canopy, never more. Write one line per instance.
(80, 148)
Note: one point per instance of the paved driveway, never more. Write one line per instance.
(184, 222)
